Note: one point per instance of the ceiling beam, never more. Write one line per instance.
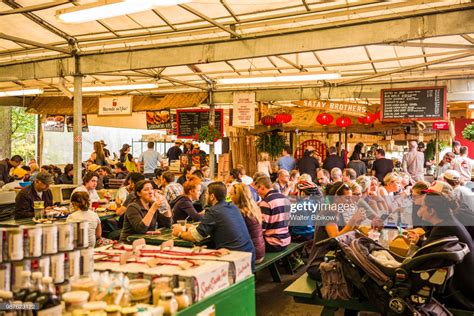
(433, 45)
(36, 7)
(403, 69)
(229, 9)
(33, 43)
(164, 19)
(345, 92)
(289, 62)
(184, 83)
(439, 24)
(468, 38)
(33, 17)
(208, 19)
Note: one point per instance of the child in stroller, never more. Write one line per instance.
(406, 288)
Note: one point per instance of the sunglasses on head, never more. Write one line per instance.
(342, 186)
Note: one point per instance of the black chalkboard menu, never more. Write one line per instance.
(413, 103)
(189, 121)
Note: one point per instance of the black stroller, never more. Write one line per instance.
(404, 289)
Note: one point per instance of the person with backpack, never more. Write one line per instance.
(127, 159)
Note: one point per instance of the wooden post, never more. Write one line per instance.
(212, 122)
(77, 127)
(345, 144)
(436, 147)
(5, 132)
(39, 139)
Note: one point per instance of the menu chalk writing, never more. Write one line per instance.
(414, 103)
(189, 121)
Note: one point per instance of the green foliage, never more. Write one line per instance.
(207, 134)
(23, 133)
(468, 132)
(430, 149)
(272, 143)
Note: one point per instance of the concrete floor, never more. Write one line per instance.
(271, 301)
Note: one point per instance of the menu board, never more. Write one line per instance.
(414, 103)
(189, 121)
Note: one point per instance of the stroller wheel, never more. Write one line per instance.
(397, 305)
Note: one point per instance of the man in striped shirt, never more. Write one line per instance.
(275, 217)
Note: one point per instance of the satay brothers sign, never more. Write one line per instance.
(344, 108)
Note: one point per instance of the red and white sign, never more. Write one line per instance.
(443, 126)
(244, 109)
(115, 105)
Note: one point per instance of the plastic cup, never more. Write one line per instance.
(182, 223)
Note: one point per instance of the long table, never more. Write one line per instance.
(165, 235)
(29, 221)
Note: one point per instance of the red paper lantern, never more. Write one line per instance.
(283, 118)
(343, 122)
(324, 119)
(370, 118)
(268, 120)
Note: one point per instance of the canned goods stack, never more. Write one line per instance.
(58, 250)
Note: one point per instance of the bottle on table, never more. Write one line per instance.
(25, 288)
(37, 288)
(48, 298)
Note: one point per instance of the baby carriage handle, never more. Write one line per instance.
(454, 256)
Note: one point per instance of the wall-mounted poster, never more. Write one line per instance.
(115, 105)
(159, 119)
(54, 123)
(70, 123)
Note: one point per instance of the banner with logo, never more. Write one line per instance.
(159, 119)
(70, 123)
(115, 105)
(54, 123)
(244, 109)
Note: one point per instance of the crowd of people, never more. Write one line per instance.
(151, 197)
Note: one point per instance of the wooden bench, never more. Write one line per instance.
(305, 290)
(271, 259)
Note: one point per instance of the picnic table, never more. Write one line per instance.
(165, 235)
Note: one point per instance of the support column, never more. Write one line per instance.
(77, 128)
(39, 139)
(212, 122)
(5, 132)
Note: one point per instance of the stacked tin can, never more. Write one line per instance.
(59, 250)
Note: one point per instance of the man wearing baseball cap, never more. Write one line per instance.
(462, 193)
(38, 191)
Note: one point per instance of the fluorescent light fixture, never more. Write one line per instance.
(143, 86)
(104, 9)
(20, 93)
(276, 79)
(471, 106)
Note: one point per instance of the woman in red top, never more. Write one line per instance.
(242, 198)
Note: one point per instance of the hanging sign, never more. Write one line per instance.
(442, 126)
(54, 123)
(244, 109)
(70, 123)
(414, 103)
(115, 105)
(343, 108)
(158, 119)
(189, 121)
